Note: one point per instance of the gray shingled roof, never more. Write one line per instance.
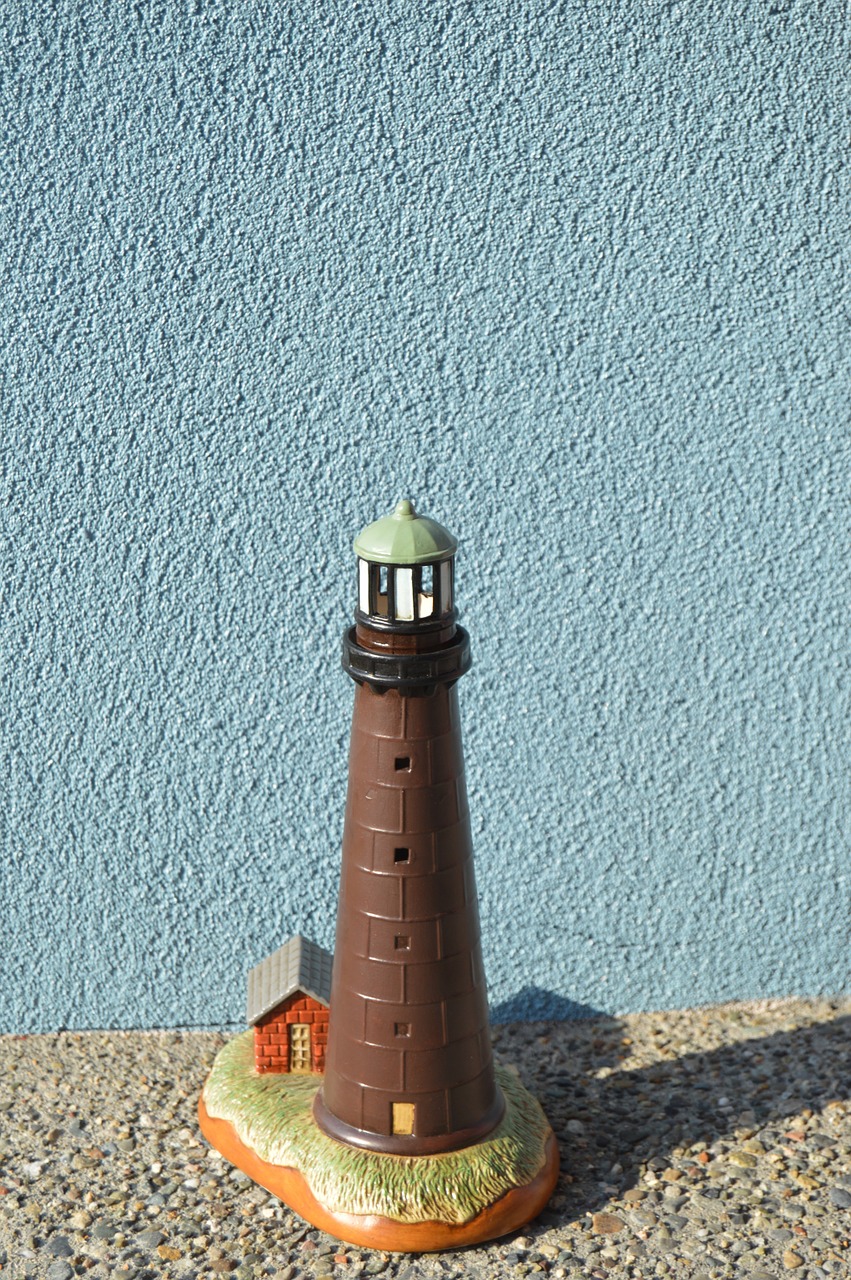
(299, 965)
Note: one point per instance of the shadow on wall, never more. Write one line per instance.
(610, 1128)
(534, 1004)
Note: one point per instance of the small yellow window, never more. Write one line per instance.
(403, 1117)
(300, 1047)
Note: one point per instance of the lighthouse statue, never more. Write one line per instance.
(409, 1068)
(366, 1096)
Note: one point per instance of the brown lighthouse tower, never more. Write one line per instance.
(408, 1067)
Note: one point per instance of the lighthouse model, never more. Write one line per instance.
(409, 1068)
(371, 1104)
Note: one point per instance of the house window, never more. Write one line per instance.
(403, 1117)
(300, 1046)
(401, 855)
(402, 942)
(402, 762)
(402, 1028)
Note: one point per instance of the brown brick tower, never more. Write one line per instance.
(408, 1066)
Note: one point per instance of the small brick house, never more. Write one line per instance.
(288, 997)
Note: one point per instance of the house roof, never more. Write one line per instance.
(299, 965)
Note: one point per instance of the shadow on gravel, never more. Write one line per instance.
(534, 1003)
(608, 1128)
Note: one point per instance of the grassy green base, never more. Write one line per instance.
(273, 1115)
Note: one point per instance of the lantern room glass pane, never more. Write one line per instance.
(405, 595)
(363, 586)
(446, 586)
(379, 587)
(425, 601)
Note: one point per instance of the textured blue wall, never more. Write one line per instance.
(576, 278)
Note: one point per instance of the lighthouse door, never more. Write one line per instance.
(300, 1046)
(403, 1117)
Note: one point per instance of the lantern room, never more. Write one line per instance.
(405, 572)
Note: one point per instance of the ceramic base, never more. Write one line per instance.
(506, 1214)
(264, 1123)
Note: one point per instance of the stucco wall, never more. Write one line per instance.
(574, 277)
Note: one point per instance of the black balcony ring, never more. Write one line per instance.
(414, 671)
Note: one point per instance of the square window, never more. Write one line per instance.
(402, 762)
(402, 942)
(401, 855)
(403, 1028)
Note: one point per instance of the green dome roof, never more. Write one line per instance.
(403, 537)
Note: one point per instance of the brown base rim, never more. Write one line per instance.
(395, 1146)
(509, 1212)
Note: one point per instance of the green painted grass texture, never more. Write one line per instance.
(273, 1115)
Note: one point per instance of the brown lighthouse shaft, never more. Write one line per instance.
(409, 1066)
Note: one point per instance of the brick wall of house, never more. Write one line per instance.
(271, 1035)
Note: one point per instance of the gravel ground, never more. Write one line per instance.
(706, 1144)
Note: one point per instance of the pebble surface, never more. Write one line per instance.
(705, 1144)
